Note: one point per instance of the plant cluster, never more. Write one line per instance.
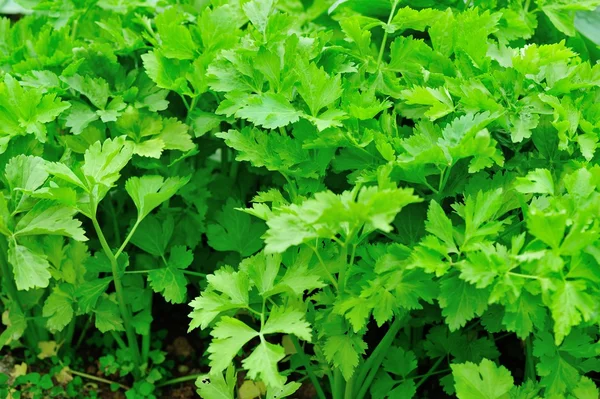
(357, 198)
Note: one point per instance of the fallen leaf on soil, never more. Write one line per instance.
(19, 370)
(64, 377)
(47, 349)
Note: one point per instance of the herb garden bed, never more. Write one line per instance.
(300, 198)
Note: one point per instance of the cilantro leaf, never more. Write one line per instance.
(270, 111)
(31, 269)
(58, 308)
(235, 231)
(150, 191)
(344, 351)
(170, 281)
(485, 380)
(460, 301)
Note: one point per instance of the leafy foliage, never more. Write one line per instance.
(375, 198)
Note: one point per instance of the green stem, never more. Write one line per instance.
(185, 102)
(192, 273)
(342, 273)
(524, 275)
(86, 326)
(224, 159)
(193, 104)
(385, 33)
(98, 379)
(68, 338)
(173, 381)
(129, 331)
(318, 255)
(338, 384)
(366, 373)
(127, 239)
(115, 221)
(529, 360)
(294, 192)
(146, 339)
(430, 372)
(306, 363)
(120, 343)
(233, 169)
(442, 182)
(349, 391)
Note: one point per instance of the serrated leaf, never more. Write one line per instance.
(485, 381)
(229, 336)
(235, 231)
(58, 308)
(49, 218)
(461, 301)
(287, 321)
(262, 364)
(87, 294)
(270, 111)
(30, 269)
(343, 352)
(149, 191)
(108, 317)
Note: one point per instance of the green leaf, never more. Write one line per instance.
(49, 218)
(153, 235)
(58, 308)
(432, 103)
(87, 294)
(175, 136)
(538, 181)
(262, 270)
(25, 173)
(26, 110)
(461, 301)
(269, 110)
(15, 322)
(556, 372)
(548, 226)
(166, 73)
(562, 12)
(258, 12)
(79, 117)
(229, 336)
(170, 281)
(400, 362)
(586, 23)
(30, 268)
(262, 363)
(95, 89)
(235, 230)
(440, 225)
(216, 386)
(227, 290)
(485, 381)
(570, 305)
(317, 88)
(344, 352)
(524, 314)
(108, 317)
(176, 40)
(287, 321)
(149, 191)
(103, 162)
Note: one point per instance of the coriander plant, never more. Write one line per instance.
(357, 199)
